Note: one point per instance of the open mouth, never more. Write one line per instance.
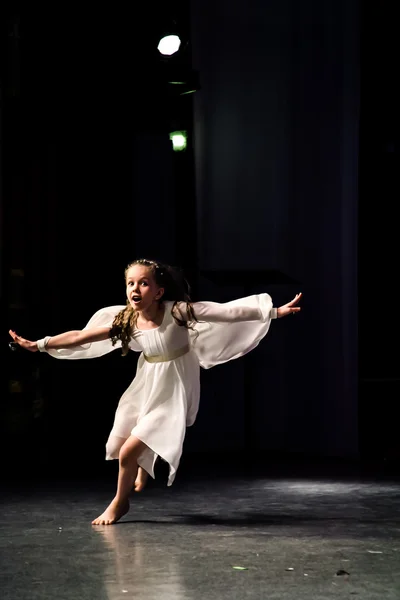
(136, 299)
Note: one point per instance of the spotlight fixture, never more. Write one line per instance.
(169, 44)
(179, 140)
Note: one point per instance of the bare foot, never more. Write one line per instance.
(112, 513)
(141, 479)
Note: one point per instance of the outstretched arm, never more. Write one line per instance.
(69, 339)
(240, 310)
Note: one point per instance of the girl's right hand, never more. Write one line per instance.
(26, 344)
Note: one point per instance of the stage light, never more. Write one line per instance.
(179, 140)
(169, 44)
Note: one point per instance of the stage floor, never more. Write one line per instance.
(294, 537)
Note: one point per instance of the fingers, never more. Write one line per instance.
(13, 335)
(290, 308)
(295, 300)
(17, 338)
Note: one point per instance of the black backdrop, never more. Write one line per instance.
(274, 181)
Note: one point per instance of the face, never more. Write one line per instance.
(141, 288)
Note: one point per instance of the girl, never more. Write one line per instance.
(175, 337)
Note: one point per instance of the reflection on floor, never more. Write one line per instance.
(278, 537)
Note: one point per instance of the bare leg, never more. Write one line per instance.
(141, 479)
(128, 470)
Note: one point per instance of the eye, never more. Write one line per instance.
(130, 283)
(144, 283)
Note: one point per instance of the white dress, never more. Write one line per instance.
(163, 398)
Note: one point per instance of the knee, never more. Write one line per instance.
(125, 457)
(129, 453)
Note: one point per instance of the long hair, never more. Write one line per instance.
(176, 289)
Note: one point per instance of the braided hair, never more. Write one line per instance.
(176, 288)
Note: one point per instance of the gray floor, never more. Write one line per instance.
(302, 537)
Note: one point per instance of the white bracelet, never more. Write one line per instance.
(274, 313)
(41, 344)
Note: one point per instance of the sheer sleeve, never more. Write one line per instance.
(243, 309)
(102, 318)
(228, 330)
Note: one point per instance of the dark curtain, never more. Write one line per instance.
(277, 142)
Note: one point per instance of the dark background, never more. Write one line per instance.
(288, 184)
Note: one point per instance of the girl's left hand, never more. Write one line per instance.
(26, 344)
(290, 308)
